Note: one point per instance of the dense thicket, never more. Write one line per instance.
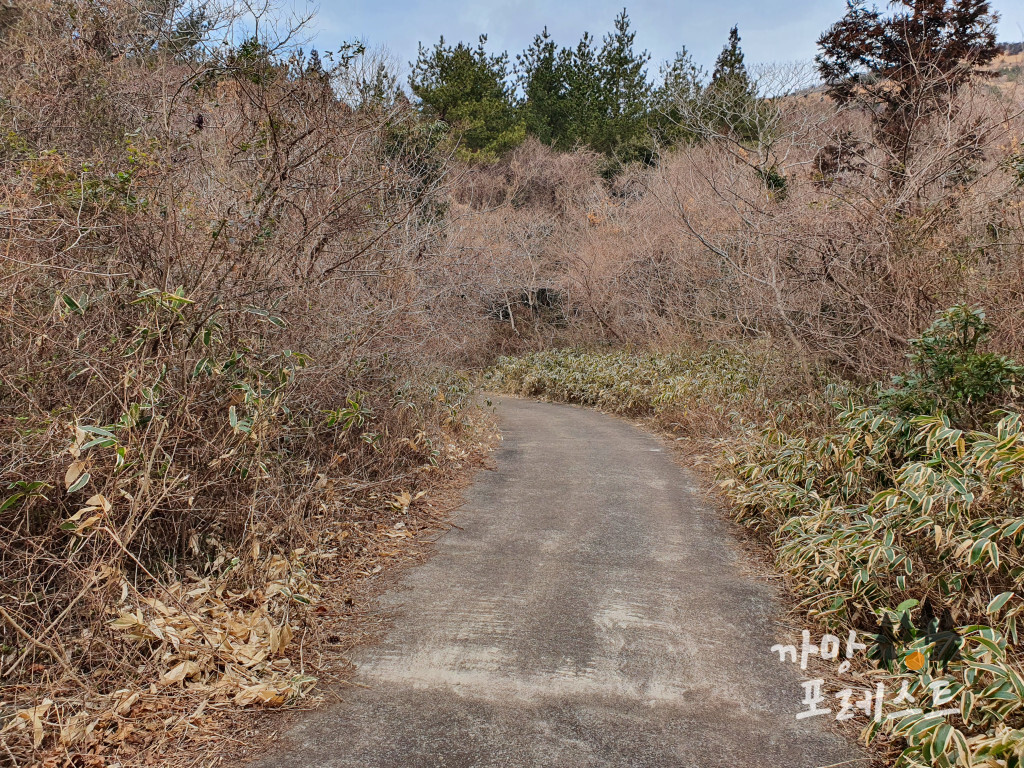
(225, 322)
(778, 216)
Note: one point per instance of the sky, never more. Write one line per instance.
(771, 30)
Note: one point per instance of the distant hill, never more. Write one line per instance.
(1010, 63)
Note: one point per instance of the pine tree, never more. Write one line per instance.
(469, 90)
(730, 69)
(542, 72)
(379, 88)
(584, 110)
(625, 93)
(677, 99)
(681, 80)
(189, 32)
(314, 66)
(623, 73)
(731, 98)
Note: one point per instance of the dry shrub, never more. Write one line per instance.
(224, 332)
(799, 234)
(533, 176)
(499, 234)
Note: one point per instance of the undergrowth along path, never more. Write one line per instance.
(589, 610)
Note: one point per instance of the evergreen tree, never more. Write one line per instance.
(682, 80)
(730, 69)
(625, 93)
(189, 31)
(584, 110)
(542, 72)
(623, 73)
(469, 90)
(677, 99)
(731, 98)
(314, 66)
(379, 88)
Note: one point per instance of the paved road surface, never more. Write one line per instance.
(590, 612)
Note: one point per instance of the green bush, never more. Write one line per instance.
(893, 503)
(950, 375)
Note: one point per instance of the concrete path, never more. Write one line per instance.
(589, 612)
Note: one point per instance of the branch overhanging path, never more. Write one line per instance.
(589, 610)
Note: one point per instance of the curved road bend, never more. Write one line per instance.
(590, 611)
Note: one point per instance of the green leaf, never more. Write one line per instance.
(73, 305)
(978, 551)
(205, 365)
(79, 483)
(99, 442)
(1013, 527)
(993, 554)
(998, 602)
(10, 501)
(994, 669)
(941, 739)
(990, 645)
(961, 747)
(967, 704)
(960, 488)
